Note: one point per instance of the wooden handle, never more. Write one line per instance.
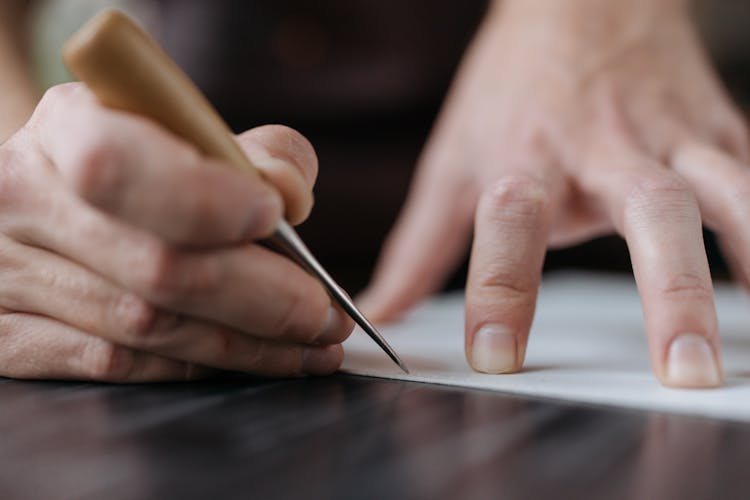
(126, 69)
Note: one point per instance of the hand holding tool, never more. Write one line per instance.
(127, 70)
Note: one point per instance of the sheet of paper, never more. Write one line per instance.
(587, 344)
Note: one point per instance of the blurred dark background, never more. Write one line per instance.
(363, 80)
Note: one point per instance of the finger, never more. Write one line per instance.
(251, 289)
(426, 243)
(248, 288)
(658, 215)
(288, 161)
(510, 240)
(722, 188)
(137, 171)
(35, 347)
(41, 283)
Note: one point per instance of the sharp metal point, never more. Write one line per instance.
(288, 241)
(370, 330)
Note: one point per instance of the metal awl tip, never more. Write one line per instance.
(286, 240)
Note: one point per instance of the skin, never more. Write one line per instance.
(142, 263)
(567, 120)
(559, 129)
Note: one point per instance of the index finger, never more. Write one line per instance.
(138, 172)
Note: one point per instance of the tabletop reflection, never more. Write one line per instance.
(349, 437)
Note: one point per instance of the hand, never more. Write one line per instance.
(567, 122)
(126, 256)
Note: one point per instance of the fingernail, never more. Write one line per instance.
(331, 333)
(494, 350)
(262, 158)
(319, 360)
(691, 362)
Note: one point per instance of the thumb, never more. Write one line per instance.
(288, 162)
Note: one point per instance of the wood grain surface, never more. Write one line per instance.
(346, 437)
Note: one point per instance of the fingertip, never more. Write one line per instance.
(287, 178)
(285, 144)
(691, 362)
(494, 349)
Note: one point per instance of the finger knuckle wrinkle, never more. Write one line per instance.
(687, 286)
(156, 270)
(202, 279)
(136, 317)
(506, 285)
(521, 195)
(658, 193)
(106, 361)
(93, 170)
(221, 346)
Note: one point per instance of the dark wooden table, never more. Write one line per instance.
(348, 437)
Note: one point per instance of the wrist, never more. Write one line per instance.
(591, 21)
(572, 10)
(587, 33)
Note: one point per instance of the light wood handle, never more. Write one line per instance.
(127, 70)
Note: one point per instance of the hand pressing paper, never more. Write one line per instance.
(587, 344)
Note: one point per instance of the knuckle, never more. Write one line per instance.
(105, 361)
(520, 196)
(203, 279)
(136, 317)
(687, 286)
(161, 276)
(220, 345)
(656, 194)
(155, 270)
(54, 96)
(92, 168)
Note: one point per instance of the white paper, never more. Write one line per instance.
(587, 344)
